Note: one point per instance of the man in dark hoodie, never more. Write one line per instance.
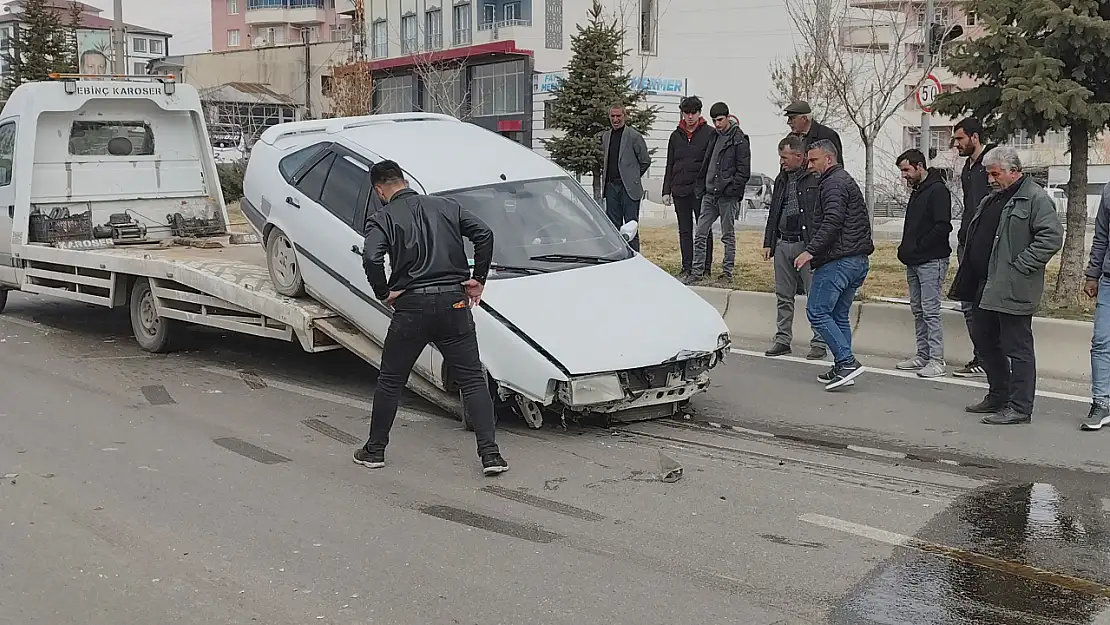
(726, 170)
(925, 251)
(683, 185)
(968, 136)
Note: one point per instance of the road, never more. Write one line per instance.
(215, 485)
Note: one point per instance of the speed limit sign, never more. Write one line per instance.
(927, 93)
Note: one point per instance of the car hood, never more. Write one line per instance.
(610, 317)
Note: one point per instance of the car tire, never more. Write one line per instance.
(153, 333)
(285, 268)
(3, 299)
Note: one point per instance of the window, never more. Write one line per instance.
(340, 194)
(649, 23)
(548, 114)
(138, 44)
(379, 39)
(233, 7)
(7, 153)
(512, 11)
(553, 25)
(408, 35)
(87, 138)
(433, 29)
(499, 88)
(139, 69)
(441, 91)
(311, 184)
(290, 164)
(970, 18)
(233, 38)
(489, 13)
(394, 94)
(156, 46)
(463, 27)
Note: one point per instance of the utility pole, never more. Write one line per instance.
(307, 74)
(119, 42)
(927, 32)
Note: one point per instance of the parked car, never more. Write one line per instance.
(572, 320)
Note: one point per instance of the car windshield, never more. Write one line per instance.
(545, 225)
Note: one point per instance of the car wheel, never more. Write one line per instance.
(152, 332)
(3, 299)
(285, 269)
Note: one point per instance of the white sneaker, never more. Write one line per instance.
(912, 364)
(934, 369)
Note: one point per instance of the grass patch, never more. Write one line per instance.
(887, 277)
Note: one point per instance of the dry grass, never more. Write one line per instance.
(887, 277)
(237, 222)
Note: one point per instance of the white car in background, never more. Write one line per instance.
(572, 320)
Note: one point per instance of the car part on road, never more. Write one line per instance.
(531, 411)
(152, 332)
(281, 260)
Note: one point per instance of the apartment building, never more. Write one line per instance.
(243, 24)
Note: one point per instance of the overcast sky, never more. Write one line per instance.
(189, 21)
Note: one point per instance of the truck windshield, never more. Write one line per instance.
(543, 224)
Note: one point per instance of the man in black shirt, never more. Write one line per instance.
(430, 289)
(683, 185)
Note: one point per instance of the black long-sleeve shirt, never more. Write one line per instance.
(423, 236)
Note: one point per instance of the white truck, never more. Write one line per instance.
(109, 195)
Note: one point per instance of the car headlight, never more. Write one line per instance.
(724, 340)
(596, 389)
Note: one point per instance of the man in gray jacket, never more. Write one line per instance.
(726, 170)
(1011, 238)
(1097, 285)
(624, 161)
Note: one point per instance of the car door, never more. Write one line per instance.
(7, 202)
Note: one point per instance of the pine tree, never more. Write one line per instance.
(1042, 66)
(39, 45)
(596, 79)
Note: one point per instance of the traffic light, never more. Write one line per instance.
(940, 34)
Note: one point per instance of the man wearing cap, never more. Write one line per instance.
(799, 116)
(683, 186)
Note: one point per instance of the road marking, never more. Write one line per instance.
(908, 375)
(1062, 580)
(342, 400)
(1106, 506)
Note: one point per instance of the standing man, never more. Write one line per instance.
(1013, 235)
(838, 251)
(925, 251)
(624, 161)
(786, 236)
(727, 167)
(683, 184)
(799, 116)
(1097, 285)
(968, 137)
(431, 289)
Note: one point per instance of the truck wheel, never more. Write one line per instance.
(281, 260)
(3, 299)
(153, 333)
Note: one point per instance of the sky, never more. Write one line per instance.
(189, 21)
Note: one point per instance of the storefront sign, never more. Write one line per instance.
(547, 82)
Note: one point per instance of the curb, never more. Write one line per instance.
(882, 328)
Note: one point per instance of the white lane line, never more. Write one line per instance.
(342, 400)
(1106, 506)
(863, 531)
(909, 375)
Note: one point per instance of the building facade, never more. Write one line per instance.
(243, 24)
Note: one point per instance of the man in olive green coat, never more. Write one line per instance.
(1011, 238)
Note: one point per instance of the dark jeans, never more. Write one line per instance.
(688, 208)
(621, 209)
(832, 290)
(444, 319)
(966, 308)
(1005, 346)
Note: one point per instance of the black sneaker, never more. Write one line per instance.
(778, 349)
(494, 464)
(827, 376)
(971, 370)
(843, 375)
(369, 459)
(1096, 418)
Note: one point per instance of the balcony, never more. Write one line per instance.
(261, 12)
(345, 7)
(504, 29)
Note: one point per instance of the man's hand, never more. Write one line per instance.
(392, 297)
(1090, 288)
(667, 201)
(802, 260)
(766, 253)
(474, 291)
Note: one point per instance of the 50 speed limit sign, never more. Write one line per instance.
(927, 93)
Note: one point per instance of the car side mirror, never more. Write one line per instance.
(628, 230)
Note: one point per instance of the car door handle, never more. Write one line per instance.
(355, 250)
(290, 201)
(11, 211)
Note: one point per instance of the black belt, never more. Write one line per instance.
(786, 239)
(444, 288)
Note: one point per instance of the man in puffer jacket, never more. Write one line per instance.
(727, 168)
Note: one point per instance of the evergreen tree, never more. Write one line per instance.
(596, 79)
(1042, 65)
(40, 45)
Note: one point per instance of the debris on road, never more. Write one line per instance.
(670, 471)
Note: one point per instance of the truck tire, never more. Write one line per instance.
(3, 299)
(285, 269)
(153, 333)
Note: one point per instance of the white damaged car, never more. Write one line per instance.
(572, 321)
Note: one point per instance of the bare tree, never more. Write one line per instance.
(865, 50)
(444, 88)
(803, 77)
(349, 87)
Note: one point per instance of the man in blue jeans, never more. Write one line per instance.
(1098, 285)
(838, 252)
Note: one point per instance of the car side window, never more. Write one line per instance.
(290, 164)
(340, 193)
(7, 153)
(312, 182)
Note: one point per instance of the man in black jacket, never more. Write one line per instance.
(726, 170)
(925, 251)
(799, 116)
(683, 185)
(430, 289)
(792, 202)
(839, 252)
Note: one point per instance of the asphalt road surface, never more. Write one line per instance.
(215, 485)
